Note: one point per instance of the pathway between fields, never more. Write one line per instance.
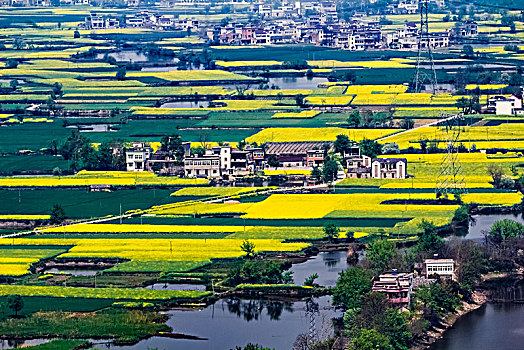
(418, 127)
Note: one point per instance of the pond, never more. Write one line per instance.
(186, 104)
(491, 327)
(483, 223)
(125, 56)
(297, 82)
(326, 264)
(74, 272)
(177, 286)
(236, 322)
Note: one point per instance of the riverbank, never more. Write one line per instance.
(479, 298)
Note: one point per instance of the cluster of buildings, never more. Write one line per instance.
(227, 161)
(141, 19)
(398, 286)
(359, 33)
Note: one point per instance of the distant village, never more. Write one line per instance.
(314, 23)
(292, 22)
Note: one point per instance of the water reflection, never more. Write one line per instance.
(481, 224)
(235, 322)
(326, 264)
(252, 309)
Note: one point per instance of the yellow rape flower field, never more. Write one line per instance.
(159, 249)
(86, 178)
(512, 135)
(316, 134)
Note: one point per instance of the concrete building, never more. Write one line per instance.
(504, 105)
(389, 168)
(445, 268)
(207, 166)
(397, 287)
(137, 156)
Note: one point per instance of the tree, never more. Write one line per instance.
(461, 216)
(15, 303)
(57, 215)
(121, 73)
(330, 169)
(372, 309)
(316, 173)
(496, 172)
(351, 285)
(172, 144)
(76, 34)
(428, 240)
(354, 119)
(407, 123)
(272, 161)
(248, 247)
(468, 51)
(198, 151)
(370, 148)
(310, 281)
(299, 100)
(396, 327)
(57, 89)
(370, 339)
(503, 229)
(380, 254)
(342, 144)
(13, 84)
(439, 298)
(11, 63)
(256, 271)
(390, 148)
(331, 231)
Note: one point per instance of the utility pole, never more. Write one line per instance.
(120, 213)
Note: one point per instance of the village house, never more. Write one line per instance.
(137, 155)
(305, 154)
(445, 268)
(504, 105)
(389, 168)
(206, 166)
(396, 285)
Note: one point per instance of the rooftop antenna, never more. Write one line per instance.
(424, 49)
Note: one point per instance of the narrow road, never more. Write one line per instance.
(422, 126)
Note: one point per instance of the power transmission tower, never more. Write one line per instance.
(451, 180)
(425, 53)
(312, 309)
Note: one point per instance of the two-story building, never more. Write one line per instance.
(206, 166)
(137, 156)
(389, 168)
(396, 285)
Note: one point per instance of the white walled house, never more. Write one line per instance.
(389, 168)
(445, 268)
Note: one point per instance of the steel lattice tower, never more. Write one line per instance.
(425, 53)
(451, 180)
